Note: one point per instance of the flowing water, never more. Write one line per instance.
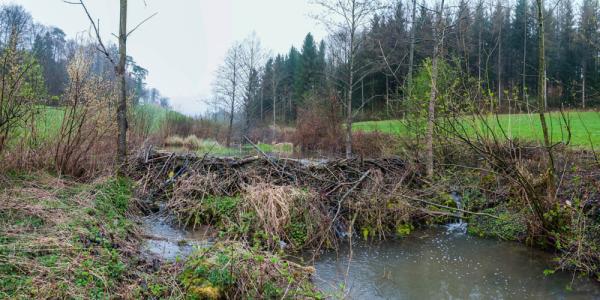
(438, 263)
(447, 264)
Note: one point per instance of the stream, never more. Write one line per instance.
(446, 263)
(435, 263)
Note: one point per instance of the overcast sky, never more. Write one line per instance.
(183, 45)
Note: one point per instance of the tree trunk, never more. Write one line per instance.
(431, 113)
(350, 86)
(583, 86)
(122, 106)
(232, 102)
(524, 76)
(541, 100)
(411, 56)
(500, 66)
(274, 87)
(349, 114)
(479, 80)
(438, 42)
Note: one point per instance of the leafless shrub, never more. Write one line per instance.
(318, 129)
(20, 82)
(84, 142)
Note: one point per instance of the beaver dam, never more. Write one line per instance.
(267, 227)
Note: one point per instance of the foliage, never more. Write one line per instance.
(510, 225)
(232, 270)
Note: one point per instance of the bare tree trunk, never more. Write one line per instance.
(387, 96)
(541, 100)
(431, 113)
(479, 82)
(583, 86)
(350, 86)
(230, 127)
(232, 102)
(274, 87)
(362, 95)
(349, 109)
(500, 65)
(524, 76)
(122, 106)
(411, 57)
(438, 42)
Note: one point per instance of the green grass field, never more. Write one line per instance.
(585, 127)
(49, 119)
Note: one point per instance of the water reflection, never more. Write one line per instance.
(437, 264)
(165, 240)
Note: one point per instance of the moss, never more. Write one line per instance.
(228, 270)
(404, 229)
(298, 233)
(510, 226)
(366, 231)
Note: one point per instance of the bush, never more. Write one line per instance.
(318, 127)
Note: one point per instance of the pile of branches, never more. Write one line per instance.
(332, 179)
(372, 195)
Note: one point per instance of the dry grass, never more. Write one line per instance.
(295, 216)
(60, 239)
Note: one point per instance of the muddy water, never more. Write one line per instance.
(166, 241)
(438, 264)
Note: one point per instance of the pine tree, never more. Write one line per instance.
(307, 77)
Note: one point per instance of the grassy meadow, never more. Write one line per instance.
(585, 127)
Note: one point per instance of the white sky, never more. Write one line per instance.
(182, 46)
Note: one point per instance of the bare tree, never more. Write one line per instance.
(413, 29)
(228, 85)
(438, 41)
(542, 98)
(119, 71)
(252, 60)
(345, 19)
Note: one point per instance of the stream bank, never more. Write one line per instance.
(272, 206)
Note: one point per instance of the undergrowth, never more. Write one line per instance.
(232, 270)
(61, 239)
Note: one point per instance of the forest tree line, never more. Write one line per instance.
(491, 44)
(52, 51)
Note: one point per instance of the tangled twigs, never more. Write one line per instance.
(333, 179)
